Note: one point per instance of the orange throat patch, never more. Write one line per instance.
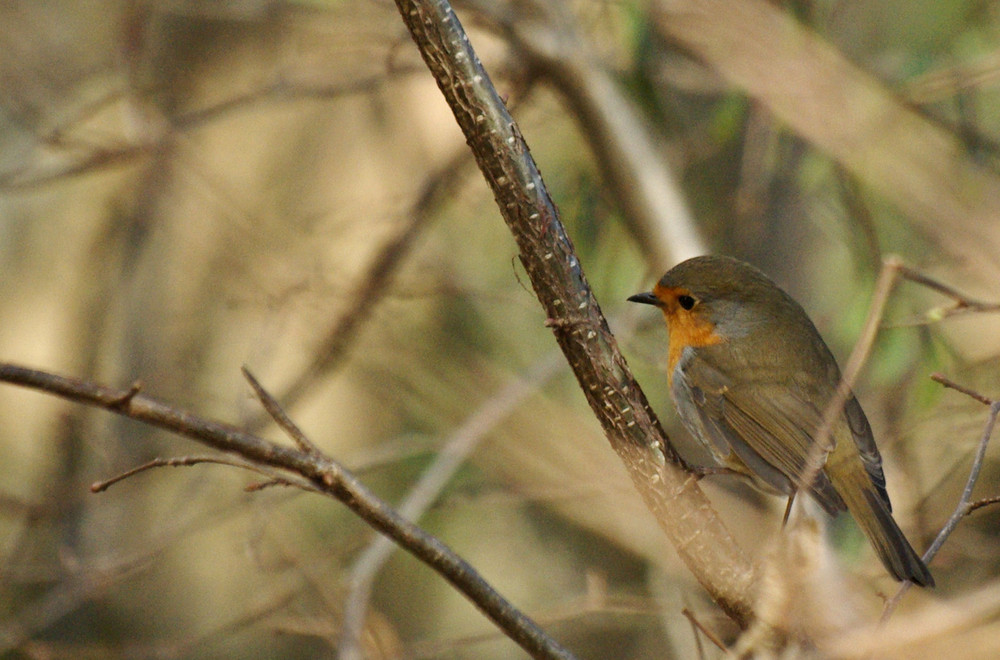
(686, 327)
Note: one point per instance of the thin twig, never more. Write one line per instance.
(963, 304)
(279, 416)
(709, 635)
(960, 298)
(979, 504)
(862, 348)
(179, 461)
(278, 482)
(949, 383)
(965, 504)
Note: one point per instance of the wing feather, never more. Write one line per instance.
(764, 424)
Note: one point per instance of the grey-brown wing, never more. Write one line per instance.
(765, 424)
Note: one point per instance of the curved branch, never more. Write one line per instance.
(328, 477)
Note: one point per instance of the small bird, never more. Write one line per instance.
(750, 377)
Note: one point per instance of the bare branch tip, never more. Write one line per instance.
(968, 391)
(254, 383)
(701, 627)
(979, 504)
(281, 418)
(258, 486)
(894, 261)
(124, 400)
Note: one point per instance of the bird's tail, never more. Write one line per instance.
(875, 519)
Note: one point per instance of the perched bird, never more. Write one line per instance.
(750, 377)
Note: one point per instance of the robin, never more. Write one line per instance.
(750, 377)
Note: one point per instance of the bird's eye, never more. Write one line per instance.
(685, 301)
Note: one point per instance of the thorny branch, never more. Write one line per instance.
(549, 258)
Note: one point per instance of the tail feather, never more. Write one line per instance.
(861, 484)
(891, 546)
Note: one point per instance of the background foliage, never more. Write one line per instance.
(189, 187)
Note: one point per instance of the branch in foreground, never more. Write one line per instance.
(328, 477)
(549, 258)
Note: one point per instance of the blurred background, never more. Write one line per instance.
(189, 187)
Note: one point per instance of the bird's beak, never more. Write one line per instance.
(646, 299)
